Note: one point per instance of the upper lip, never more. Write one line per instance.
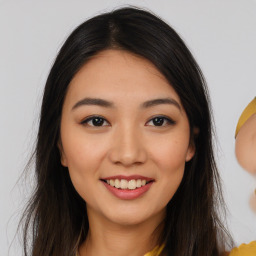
(131, 177)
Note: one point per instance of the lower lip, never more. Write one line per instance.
(128, 194)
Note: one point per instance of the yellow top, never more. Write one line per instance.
(155, 252)
(244, 250)
(249, 110)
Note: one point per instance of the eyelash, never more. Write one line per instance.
(91, 118)
(167, 121)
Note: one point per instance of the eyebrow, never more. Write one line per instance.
(108, 104)
(155, 102)
(93, 101)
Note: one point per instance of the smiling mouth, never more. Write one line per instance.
(127, 184)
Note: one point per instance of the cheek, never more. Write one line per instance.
(83, 158)
(170, 158)
(82, 163)
(170, 154)
(171, 162)
(82, 151)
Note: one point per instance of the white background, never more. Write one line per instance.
(221, 35)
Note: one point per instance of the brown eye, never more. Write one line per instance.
(95, 121)
(160, 121)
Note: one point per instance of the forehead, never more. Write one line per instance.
(120, 74)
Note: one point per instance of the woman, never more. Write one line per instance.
(124, 160)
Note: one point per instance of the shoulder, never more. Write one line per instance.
(244, 250)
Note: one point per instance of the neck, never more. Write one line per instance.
(108, 238)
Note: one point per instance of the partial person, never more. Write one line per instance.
(246, 138)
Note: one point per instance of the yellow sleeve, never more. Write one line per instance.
(244, 250)
(248, 111)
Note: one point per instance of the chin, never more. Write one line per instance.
(128, 220)
(131, 218)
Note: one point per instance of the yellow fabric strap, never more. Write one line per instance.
(249, 110)
(244, 250)
(156, 251)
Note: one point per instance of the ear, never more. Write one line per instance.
(63, 158)
(190, 152)
(192, 147)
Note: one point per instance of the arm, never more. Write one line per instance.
(245, 147)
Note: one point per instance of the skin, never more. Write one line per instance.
(245, 147)
(127, 143)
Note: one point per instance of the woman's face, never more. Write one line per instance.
(122, 126)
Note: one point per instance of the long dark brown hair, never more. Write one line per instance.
(55, 220)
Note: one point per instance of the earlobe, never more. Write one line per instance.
(192, 148)
(191, 152)
(63, 158)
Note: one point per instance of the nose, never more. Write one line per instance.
(127, 147)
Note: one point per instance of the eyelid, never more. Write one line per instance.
(168, 119)
(90, 118)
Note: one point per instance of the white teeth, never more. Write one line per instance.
(125, 184)
(132, 184)
(117, 183)
(138, 185)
